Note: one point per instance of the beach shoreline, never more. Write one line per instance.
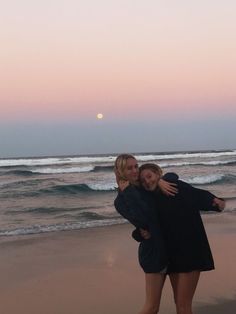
(97, 268)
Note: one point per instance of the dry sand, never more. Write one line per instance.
(96, 271)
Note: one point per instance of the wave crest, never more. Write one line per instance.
(77, 188)
(209, 179)
(108, 159)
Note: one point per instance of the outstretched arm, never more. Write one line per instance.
(201, 199)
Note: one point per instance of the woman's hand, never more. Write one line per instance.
(145, 234)
(219, 203)
(167, 188)
(121, 182)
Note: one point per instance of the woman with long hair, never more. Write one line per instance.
(132, 202)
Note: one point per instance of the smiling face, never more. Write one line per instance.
(149, 179)
(131, 171)
(126, 168)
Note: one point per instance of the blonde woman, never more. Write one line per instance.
(135, 204)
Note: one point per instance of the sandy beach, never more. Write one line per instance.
(96, 271)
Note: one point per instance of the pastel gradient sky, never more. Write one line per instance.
(162, 72)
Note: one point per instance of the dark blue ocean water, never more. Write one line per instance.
(49, 194)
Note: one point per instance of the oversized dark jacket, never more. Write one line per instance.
(178, 239)
(182, 228)
(137, 206)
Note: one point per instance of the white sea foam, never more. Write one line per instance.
(30, 162)
(102, 186)
(204, 163)
(54, 161)
(185, 155)
(205, 179)
(91, 168)
(106, 159)
(36, 229)
(63, 170)
(217, 162)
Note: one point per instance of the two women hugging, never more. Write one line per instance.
(173, 241)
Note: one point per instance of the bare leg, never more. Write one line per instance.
(184, 286)
(154, 286)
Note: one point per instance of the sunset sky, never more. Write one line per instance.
(162, 73)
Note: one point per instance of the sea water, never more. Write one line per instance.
(48, 194)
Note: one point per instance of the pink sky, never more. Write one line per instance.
(63, 59)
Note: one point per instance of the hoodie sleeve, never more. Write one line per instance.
(171, 177)
(130, 205)
(201, 199)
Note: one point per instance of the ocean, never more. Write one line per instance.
(52, 194)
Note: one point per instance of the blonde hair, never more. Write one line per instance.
(121, 162)
(153, 167)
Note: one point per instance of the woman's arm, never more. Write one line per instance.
(168, 184)
(202, 200)
(130, 205)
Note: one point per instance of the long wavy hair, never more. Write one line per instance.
(121, 162)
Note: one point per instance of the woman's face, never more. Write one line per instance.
(149, 179)
(131, 171)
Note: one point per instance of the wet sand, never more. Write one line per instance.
(96, 271)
